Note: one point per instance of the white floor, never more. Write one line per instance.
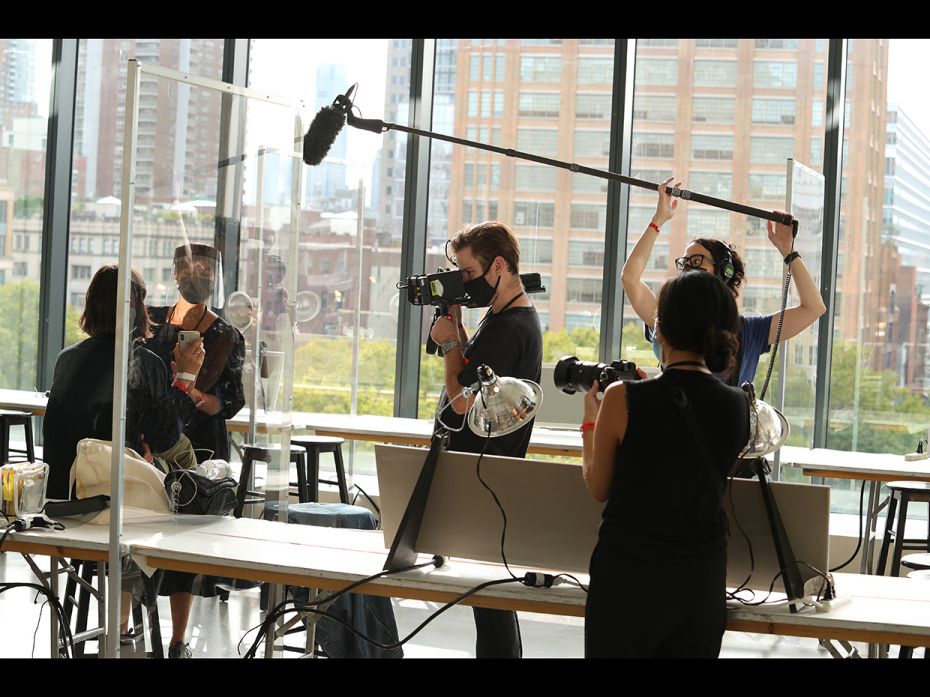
(216, 628)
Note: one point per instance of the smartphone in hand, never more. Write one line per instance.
(187, 337)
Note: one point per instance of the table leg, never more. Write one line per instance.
(275, 594)
(312, 619)
(54, 649)
(868, 537)
(102, 610)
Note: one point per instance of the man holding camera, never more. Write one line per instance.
(509, 340)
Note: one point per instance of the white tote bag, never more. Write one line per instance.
(143, 483)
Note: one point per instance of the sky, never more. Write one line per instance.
(907, 79)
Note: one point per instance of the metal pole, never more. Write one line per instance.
(359, 250)
(257, 319)
(618, 200)
(121, 353)
(832, 172)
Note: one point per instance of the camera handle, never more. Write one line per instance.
(431, 346)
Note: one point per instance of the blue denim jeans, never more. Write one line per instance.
(372, 616)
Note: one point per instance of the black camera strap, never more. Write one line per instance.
(490, 314)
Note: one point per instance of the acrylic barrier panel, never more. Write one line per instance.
(213, 236)
(805, 203)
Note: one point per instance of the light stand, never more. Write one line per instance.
(768, 431)
(506, 405)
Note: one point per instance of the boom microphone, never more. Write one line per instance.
(329, 121)
(326, 126)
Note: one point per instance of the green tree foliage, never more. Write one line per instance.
(19, 334)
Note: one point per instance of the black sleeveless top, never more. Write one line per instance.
(220, 375)
(659, 497)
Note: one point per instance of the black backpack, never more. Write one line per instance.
(193, 493)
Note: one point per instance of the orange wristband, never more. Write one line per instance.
(588, 425)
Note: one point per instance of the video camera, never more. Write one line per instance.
(447, 287)
(571, 375)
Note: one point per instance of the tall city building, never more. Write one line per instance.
(176, 156)
(393, 158)
(906, 229)
(906, 209)
(724, 115)
(17, 81)
(323, 182)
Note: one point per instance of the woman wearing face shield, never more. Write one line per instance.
(755, 334)
(216, 395)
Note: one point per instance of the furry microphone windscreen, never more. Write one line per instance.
(322, 133)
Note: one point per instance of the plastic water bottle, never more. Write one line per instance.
(213, 469)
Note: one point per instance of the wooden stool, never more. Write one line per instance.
(15, 418)
(902, 493)
(314, 446)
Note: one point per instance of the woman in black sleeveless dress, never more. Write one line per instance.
(658, 571)
(216, 395)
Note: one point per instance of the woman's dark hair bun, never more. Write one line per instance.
(720, 347)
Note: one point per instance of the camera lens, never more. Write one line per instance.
(571, 375)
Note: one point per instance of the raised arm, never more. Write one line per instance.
(811, 307)
(637, 292)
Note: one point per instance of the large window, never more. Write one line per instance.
(737, 122)
(345, 358)
(723, 115)
(178, 147)
(562, 109)
(25, 79)
(713, 109)
(879, 377)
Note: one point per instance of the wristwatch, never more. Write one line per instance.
(447, 346)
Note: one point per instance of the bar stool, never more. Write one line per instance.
(314, 446)
(918, 563)
(15, 418)
(921, 574)
(902, 493)
(77, 596)
(266, 453)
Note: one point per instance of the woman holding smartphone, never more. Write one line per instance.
(216, 394)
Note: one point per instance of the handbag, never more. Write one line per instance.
(143, 486)
(189, 492)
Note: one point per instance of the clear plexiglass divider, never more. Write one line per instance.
(213, 233)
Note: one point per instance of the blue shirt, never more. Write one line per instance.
(754, 340)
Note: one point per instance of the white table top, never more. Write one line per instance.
(880, 606)
(855, 465)
(386, 429)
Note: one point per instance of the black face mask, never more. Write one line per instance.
(196, 289)
(480, 291)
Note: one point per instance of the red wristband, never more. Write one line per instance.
(185, 390)
(586, 426)
(653, 225)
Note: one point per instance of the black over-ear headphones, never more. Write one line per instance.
(724, 267)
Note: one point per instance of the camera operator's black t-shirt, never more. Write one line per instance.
(511, 344)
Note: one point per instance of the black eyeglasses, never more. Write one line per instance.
(695, 261)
